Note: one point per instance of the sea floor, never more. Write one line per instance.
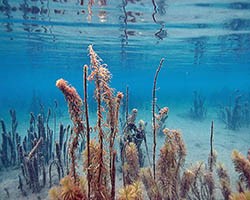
(196, 135)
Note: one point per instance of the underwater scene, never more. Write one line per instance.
(125, 99)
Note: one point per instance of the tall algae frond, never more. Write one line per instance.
(104, 93)
(153, 112)
(74, 105)
(85, 88)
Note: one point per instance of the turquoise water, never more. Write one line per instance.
(206, 46)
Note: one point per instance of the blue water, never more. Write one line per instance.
(205, 43)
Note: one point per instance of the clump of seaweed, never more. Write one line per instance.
(198, 110)
(34, 154)
(171, 159)
(10, 141)
(187, 180)
(203, 186)
(131, 166)
(237, 114)
(68, 190)
(232, 115)
(224, 180)
(93, 168)
(131, 192)
(150, 184)
(240, 196)
(242, 166)
(170, 182)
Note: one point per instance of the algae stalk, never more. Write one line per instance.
(87, 125)
(99, 128)
(113, 171)
(54, 115)
(126, 117)
(153, 112)
(211, 147)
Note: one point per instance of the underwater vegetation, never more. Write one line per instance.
(44, 160)
(198, 110)
(236, 114)
(168, 179)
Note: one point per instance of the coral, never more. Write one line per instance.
(131, 192)
(242, 166)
